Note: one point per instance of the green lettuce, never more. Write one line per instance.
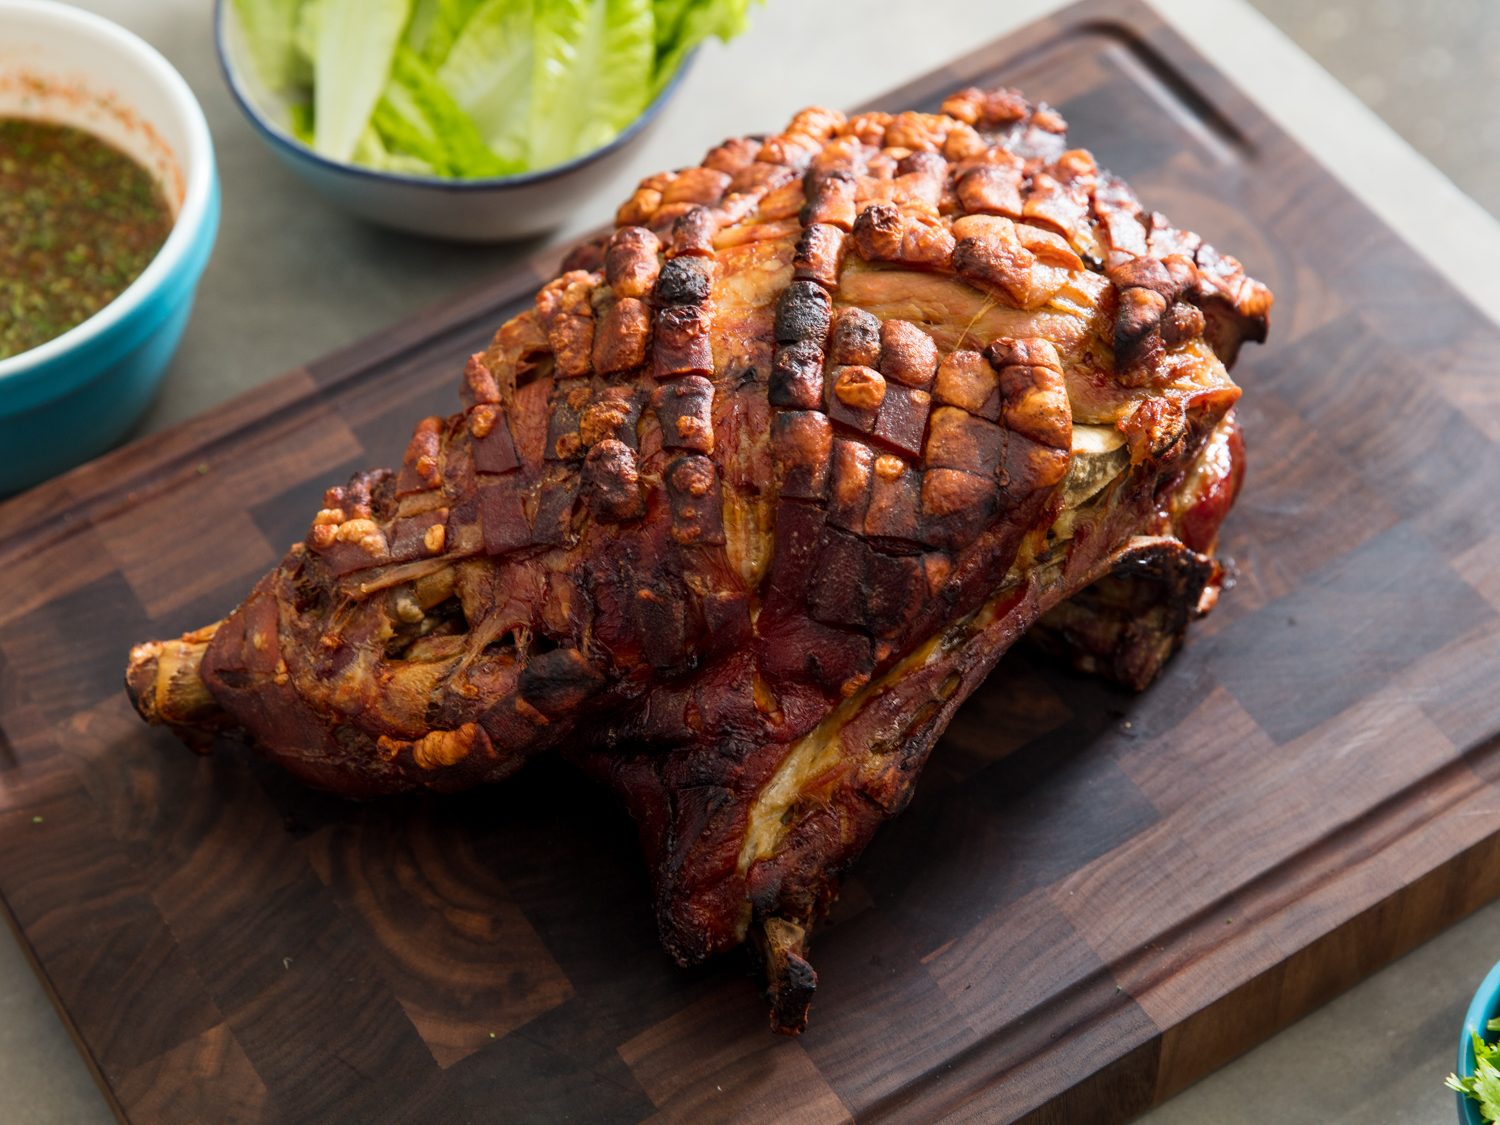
(424, 14)
(356, 42)
(270, 28)
(372, 153)
(592, 77)
(417, 117)
(449, 18)
(471, 88)
(302, 122)
(488, 71)
(1484, 1085)
(668, 16)
(305, 39)
(698, 20)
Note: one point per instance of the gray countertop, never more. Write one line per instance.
(291, 279)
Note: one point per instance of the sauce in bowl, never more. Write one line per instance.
(79, 221)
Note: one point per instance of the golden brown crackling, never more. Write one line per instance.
(684, 408)
(992, 189)
(894, 511)
(853, 469)
(796, 379)
(986, 109)
(731, 156)
(613, 481)
(646, 200)
(859, 388)
(693, 492)
(786, 200)
(802, 446)
(697, 185)
(812, 402)
(759, 178)
(622, 336)
(1033, 395)
(829, 200)
(693, 233)
(518, 351)
(420, 468)
(612, 412)
(965, 379)
(1052, 203)
(820, 255)
(566, 312)
(1012, 260)
(957, 439)
(681, 342)
(868, 128)
(920, 179)
(885, 233)
(855, 338)
(480, 385)
(631, 264)
(907, 354)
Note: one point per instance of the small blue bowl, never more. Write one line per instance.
(491, 209)
(1486, 1007)
(74, 396)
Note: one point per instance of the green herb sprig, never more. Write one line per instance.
(1484, 1086)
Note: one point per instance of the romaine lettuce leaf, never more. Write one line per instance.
(419, 28)
(302, 122)
(669, 15)
(592, 77)
(723, 19)
(449, 19)
(416, 116)
(489, 73)
(305, 37)
(372, 153)
(270, 27)
(356, 41)
(474, 87)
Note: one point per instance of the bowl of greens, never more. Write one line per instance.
(472, 120)
(1477, 1080)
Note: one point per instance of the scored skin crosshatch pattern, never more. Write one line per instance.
(1093, 897)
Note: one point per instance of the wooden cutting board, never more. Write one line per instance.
(1094, 899)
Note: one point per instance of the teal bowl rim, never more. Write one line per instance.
(1485, 1007)
(181, 255)
(278, 137)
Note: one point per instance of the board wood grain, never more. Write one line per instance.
(1094, 899)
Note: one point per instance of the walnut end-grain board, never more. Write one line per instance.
(1094, 898)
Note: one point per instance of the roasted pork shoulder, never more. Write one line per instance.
(741, 511)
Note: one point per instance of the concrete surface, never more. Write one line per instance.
(292, 279)
(1430, 68)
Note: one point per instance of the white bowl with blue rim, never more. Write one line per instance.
(74, 396)
(491, 209)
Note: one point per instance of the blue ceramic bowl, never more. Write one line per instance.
(76, 395)
(1486, 1007)
(491, 209)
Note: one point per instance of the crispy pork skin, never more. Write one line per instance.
(741, 511)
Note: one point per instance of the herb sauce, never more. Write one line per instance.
(79, 221)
